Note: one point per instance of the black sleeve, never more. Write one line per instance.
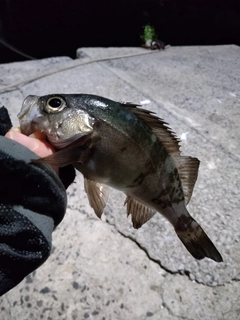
(32, 203)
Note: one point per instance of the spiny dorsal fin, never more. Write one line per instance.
(187, 166)
(97, 195)
(140, 212)
(161, 129)
(188, 172)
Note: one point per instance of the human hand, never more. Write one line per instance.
(33, 202)
(36, 142)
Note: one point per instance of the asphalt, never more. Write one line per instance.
(105, 269)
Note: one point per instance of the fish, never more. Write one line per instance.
(123, 146)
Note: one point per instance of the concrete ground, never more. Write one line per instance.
(105, 269)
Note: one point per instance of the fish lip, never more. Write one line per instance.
(27, 105)
(28, 113)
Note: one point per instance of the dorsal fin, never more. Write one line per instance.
(187, 166)
(188, 172)
(139, 211)
(161, 128)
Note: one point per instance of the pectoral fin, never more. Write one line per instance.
(140, 212)
(97, 195)
(77, 139)
(74, 151)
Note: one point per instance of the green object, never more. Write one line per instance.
(149, 33)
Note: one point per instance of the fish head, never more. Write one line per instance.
(59, 117)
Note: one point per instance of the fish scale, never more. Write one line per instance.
(126, 147)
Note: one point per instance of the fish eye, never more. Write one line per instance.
(55, 104)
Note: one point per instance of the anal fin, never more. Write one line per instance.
(140, 212)
(97, 195)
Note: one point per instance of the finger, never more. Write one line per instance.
(38, 135)
(16, 129)
(31, 144)
(40, 147)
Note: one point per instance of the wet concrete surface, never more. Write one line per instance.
(106, 269)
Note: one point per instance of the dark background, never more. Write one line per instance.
(44, 28)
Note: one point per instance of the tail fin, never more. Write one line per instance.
(195, 239)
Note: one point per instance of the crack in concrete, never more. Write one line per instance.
(165, 305)
(180, 272)
(170, 310)
(142, 248)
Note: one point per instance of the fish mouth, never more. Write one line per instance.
(28, 113)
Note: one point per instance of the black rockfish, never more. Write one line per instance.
(125, 147)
